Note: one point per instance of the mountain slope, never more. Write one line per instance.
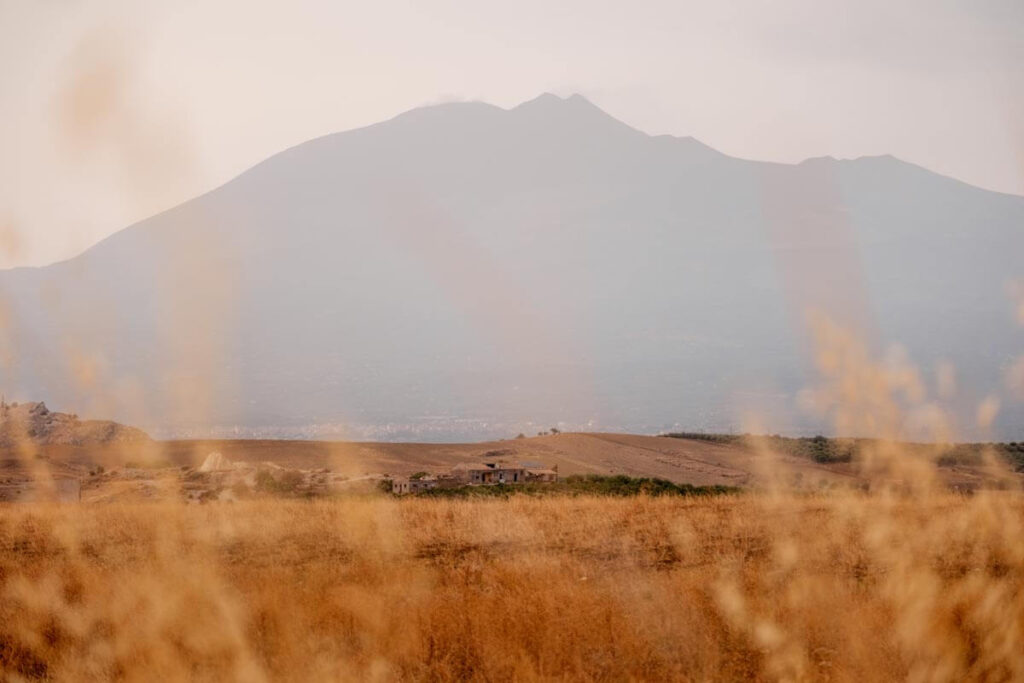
(462, 270)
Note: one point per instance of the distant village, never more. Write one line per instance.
(477, 474)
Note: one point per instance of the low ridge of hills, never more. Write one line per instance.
(34, 424)
(694, 459)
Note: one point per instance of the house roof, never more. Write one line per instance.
(487, 466)
(472, 466)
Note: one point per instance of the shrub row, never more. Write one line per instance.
(579, 485)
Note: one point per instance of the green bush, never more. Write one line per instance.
(704, 436)
(287, 483)
(618, 485)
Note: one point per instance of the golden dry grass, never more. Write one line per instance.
(770, 587)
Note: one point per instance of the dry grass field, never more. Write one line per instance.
(842, 587)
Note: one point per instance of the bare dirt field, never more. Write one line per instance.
(677, 460)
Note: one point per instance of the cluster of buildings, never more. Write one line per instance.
(477, 474)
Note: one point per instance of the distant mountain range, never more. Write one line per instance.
(465, 271)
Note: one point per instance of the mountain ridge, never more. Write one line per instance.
(544, 98)
(502, 268)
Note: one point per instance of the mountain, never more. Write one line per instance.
(465, 271)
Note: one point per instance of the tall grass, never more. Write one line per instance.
(770, 586)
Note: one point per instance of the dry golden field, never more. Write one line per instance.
(841, 587)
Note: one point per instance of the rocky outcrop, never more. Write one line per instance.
(34, 423)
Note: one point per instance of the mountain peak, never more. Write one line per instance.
(549, 100)
(574, 109)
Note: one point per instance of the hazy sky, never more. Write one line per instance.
(112, 111)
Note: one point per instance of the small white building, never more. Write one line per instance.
(403, 485)
(489, 473)
(542, 474)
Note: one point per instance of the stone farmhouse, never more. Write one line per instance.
(413, 485)
(539, 472)
(477, 474)
(489, 473)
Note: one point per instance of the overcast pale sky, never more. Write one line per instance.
(112, 111)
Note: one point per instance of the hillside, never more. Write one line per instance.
(695, 461)
(33, 424)
(465, 272)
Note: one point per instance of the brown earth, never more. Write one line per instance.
(690, 461)
(142, 469)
